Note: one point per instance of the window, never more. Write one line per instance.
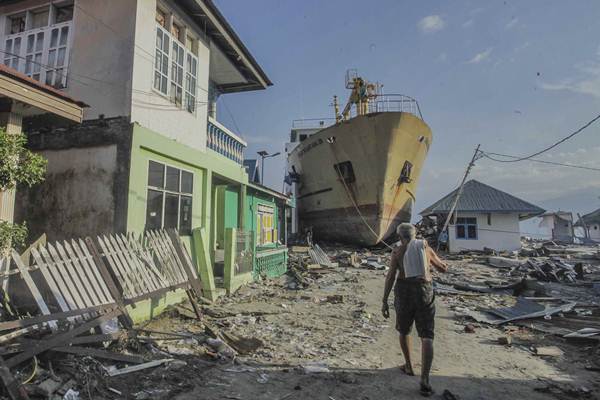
(161, 18)
(161, 61)
(169, 201)
(33, 55)
(303, 137)
(63, 14)
(12, 51)
(406, 171)
(176, 31)
(345, 171)
(39, 45)
(190, 44)
(466, 228)
(39, 18)
(16, 24)
(489, 218)
(266, 234)
(190, 82)
(175, 71)
(57, 50)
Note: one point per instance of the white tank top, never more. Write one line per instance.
(415, 261)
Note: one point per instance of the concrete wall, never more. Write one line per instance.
(102, 48)
(502, 234)
(150, 108)
(85, 190)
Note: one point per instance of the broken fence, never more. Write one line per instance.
(78, 280)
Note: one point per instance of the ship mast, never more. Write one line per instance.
(361, 93)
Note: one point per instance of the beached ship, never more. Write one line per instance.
(354, 177)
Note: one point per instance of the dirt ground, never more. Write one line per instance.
(329, 342)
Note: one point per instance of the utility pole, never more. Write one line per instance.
(458, 194)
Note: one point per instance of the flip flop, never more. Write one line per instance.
(404, 369)
(426, 390)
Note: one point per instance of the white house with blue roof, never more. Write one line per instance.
(485, 217)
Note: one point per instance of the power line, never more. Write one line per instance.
(596, 118)
(150, 56)
(487, 155)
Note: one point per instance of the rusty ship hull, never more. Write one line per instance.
(357, 179)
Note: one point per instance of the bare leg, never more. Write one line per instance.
(405, 346)
(427, 359)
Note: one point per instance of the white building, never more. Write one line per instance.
(485, 217)
(560, 225)
(591, 222)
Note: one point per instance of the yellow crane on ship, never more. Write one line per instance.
(362, 92)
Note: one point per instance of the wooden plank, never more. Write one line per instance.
(167, 259)
(135, 368)
(25, 256)
(57, 274)
(91, 271)
(128, 270)
(98, 353)
(88, 280)
(50, 280)
(33, 288)
(69, 278)
(178, 246)
(59, 339)
(115, 264)
(13, 387)
(146, 283)
(81, 249)
(159, 279)
(179, 261)
(20, 323)
(163, 266)
(108, 279)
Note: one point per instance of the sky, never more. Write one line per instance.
(513, 76)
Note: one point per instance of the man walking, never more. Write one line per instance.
(414, 299)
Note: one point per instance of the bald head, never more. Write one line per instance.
(406, 232)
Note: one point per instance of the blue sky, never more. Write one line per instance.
(514, 76)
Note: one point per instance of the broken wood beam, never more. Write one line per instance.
(99, 353)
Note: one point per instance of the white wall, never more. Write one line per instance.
(502, 234)
(594, 231)
(150, 108)
(102, 48)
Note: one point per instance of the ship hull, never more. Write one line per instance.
(363, 200)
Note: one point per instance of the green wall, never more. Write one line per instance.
(148, 145)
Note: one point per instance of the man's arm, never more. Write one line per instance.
(389, 283)
(435, 260)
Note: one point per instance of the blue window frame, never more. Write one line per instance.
(466, 228)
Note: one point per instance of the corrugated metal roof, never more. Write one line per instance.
(479, 197)
(591, 218)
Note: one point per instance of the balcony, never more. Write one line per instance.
(225, 142)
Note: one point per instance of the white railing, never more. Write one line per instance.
(225, 142)
(41, 53)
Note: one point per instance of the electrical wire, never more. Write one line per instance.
(586, 125)
(487, 155)
(150, 56)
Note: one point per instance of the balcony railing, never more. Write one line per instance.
(225, 142)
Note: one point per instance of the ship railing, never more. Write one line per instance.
(312, 123)
(223, 141)
(395, 103)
